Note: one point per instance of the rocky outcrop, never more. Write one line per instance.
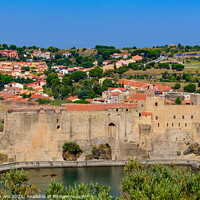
(103, 151)
(70, 157)
(193, 148)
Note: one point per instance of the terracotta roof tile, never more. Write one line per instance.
(146, 113)
(96, 107)
(137, 97)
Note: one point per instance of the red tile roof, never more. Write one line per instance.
(115, 93)
(89, 100)
(38, 96)
(184, 102)
(72, 98)
(146, 113)
(161, 87)
(96, 107)
(167, 101)
(137, 97)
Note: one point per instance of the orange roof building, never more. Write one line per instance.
(134, 98)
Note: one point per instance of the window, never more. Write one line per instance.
(174, 116)
(156, 104)
(167, 124)
(57, 120)
(179, 125)
(117, 109)
(156, 117)
(185, 124)
(139, 114)
(172, 125)
(192, 117)
(58, 127)
(183, 117)
(126, 109)
(158, 124)
(142, 105)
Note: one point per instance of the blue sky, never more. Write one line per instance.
(85, 23)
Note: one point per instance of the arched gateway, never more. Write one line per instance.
(111, 130)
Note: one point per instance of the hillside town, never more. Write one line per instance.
(104, 75)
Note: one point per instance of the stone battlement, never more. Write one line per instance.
(149, 129)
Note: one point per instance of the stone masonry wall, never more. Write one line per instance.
(164, 134)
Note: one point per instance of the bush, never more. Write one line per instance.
(178, 101)
(190, 87)
(15, 182)
(72, 148)
(81, 191)
(43, 101)
(158, 181)
(81, 102)
(177, 86)
(178, 67)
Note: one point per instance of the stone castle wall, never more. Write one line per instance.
(36, 135)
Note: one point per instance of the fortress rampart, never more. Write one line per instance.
(148, 130)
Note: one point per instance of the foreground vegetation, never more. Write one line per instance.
(141, 182)
(157, 181)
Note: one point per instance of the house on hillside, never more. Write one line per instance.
(66, 54)
(15, 84)
(75, 98)
(101, 80)
(137, 58)
(117, 55)
(9, 53)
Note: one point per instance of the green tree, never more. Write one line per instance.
(50, 77)
(13, 47)
(72, 147)
(67, 80)
(81, 101)
(177, 86)
(178, 67)
(97, 72)
(159, 182)
(87, 191)
(52, 49)
(190, 87)
(98, 89)
(58, 56)
(84, 93)
(79, 59)
(164, 65)
(108, 83)
(105, 55)
(65, 90)
(15, 182)
(5, 46)
(76, 76)
(178, 101)
(87, 64)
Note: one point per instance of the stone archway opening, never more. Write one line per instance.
(111, 130)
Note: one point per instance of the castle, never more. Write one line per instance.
(148, 129)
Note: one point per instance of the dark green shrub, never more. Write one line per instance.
(159, 181)
(107, 145)
(43, 101)
(72, 148)
(81, 102)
